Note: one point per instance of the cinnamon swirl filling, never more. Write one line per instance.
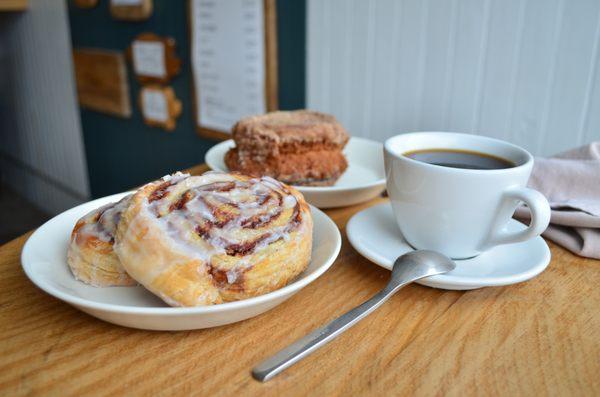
(236, 217)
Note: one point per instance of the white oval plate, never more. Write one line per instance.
(44, 259)
(363, 180)
(374, 234)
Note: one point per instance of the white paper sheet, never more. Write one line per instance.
(154, 105)
(126, 2)
(228, 61)
(149, 58)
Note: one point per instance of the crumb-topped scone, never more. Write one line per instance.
(299, 147)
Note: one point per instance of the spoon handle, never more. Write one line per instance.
(321, 336)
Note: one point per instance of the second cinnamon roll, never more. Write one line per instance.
(90, 255)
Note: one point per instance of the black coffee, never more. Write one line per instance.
(460, 159)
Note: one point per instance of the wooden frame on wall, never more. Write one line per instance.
(139, 10)
(169, 106)
(172, 63)
(271, 65)
(101, 78)
(271, 78)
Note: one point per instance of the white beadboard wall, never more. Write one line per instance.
(41, 145)
(521, 70)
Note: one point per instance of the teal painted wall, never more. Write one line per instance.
(122, 153)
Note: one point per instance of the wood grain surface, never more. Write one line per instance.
(535, 338)
(101, 78)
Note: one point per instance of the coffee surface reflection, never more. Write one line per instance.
(460, 159)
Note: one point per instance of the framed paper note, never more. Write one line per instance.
(149, 59)
(234, 62)
(131, 10)
(159, 106)
(85, 3)
(153, 58)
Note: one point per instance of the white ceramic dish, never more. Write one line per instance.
(363, 180)
(374, 234)
(44, 261)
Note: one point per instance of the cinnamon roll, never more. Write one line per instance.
(218, 237)
(90, 255)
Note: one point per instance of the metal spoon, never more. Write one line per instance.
(407, 268)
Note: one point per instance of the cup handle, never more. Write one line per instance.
(540, 216)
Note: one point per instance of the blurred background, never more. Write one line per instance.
(522, 70)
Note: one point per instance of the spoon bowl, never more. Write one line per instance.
(418, 264)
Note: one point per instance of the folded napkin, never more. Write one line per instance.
(571, 183)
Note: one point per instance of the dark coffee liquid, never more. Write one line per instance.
(460, 159)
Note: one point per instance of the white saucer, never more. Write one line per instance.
(44, 259)
(363, 180)
(374, 234)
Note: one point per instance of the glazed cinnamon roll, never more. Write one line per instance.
(90, 254)
(218, 237)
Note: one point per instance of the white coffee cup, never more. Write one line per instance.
(456, 211)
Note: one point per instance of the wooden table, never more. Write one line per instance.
(536, 338)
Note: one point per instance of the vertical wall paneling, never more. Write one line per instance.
(358, 67)
(521, 70)
(41, 146)
(590, 86)
(573, 68)
(338, 101)
(534, 71)
(591, 117)
(470, 43)
(435, 64)
(368, 80)
(500, 63)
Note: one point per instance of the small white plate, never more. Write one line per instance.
(374, 234)
(363, 180)
(44, 259)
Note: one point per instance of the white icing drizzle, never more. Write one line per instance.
(104, 229)
(176, 177)
(253, 202)
(231, 276)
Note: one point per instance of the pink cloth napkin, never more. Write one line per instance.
(571, 183)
